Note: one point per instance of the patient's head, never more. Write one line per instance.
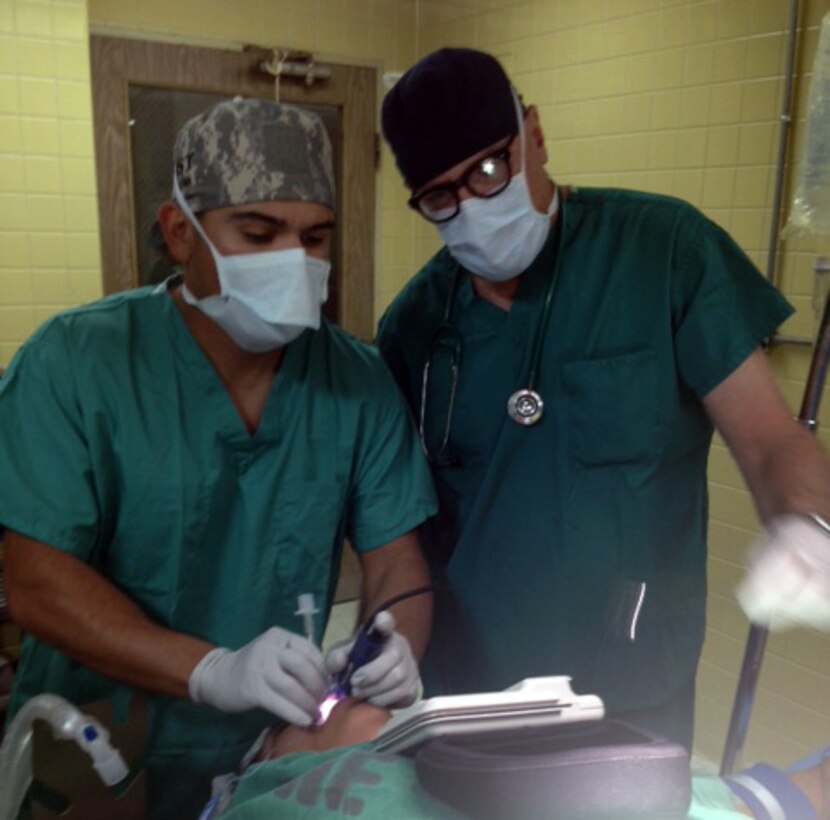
(351, 721)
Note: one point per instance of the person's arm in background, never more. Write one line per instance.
(788, 474)
(62, 601)
(783, 464)
(391, 570)
(391, 497)
(391, 679)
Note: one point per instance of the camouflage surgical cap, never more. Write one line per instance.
(243, 151)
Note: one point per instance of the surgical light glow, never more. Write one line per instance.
(326, 708)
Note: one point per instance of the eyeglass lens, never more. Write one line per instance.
(485, 179)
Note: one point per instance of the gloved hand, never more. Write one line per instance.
(787, 583)
(391, 679)
(278, 671)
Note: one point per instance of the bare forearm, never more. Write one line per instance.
(793, 478)
(784, 465)
(394, 569)
(63, 602)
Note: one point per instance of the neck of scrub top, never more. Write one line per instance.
(547, 299)
(246, 376)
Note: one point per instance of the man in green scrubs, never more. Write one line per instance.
(567, 353)
(178, 464)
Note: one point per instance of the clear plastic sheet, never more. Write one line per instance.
(810, 213)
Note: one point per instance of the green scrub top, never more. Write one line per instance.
(352, 781)
(578, 546)
(120, 445)
(356, 782)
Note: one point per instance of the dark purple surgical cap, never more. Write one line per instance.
(450, 105)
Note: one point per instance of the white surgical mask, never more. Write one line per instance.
(266, 299)
(498, 238)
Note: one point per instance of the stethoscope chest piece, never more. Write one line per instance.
(525, 407)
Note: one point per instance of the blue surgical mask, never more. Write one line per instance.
(266, 299)
(498, 238)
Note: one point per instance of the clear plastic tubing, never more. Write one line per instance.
(811, 201)
(67, 723)
(306, 609)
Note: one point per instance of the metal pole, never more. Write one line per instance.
(756, 642)
(744, 698)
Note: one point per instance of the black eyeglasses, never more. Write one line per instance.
(485, 178)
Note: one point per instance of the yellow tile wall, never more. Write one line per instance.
(49, 257)
(683, 97)
(48, 219)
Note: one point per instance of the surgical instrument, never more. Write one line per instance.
(306, 609)
(367, 645)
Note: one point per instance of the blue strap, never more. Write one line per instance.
(809, 762)
(210, 808)
(769, 794)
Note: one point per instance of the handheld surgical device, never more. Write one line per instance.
(368, 643)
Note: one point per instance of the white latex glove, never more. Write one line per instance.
(278, 671)
(787, 583)
(391, 679)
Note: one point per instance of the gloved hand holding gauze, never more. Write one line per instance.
(278, 671)
(787, 583)
(391, 679)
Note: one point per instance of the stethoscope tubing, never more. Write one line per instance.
(538, 342)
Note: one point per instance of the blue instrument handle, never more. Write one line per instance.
(367, 646)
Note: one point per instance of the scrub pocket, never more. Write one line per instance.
(307, 519)
(612, 408)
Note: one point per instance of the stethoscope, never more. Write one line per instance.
(525, 406)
